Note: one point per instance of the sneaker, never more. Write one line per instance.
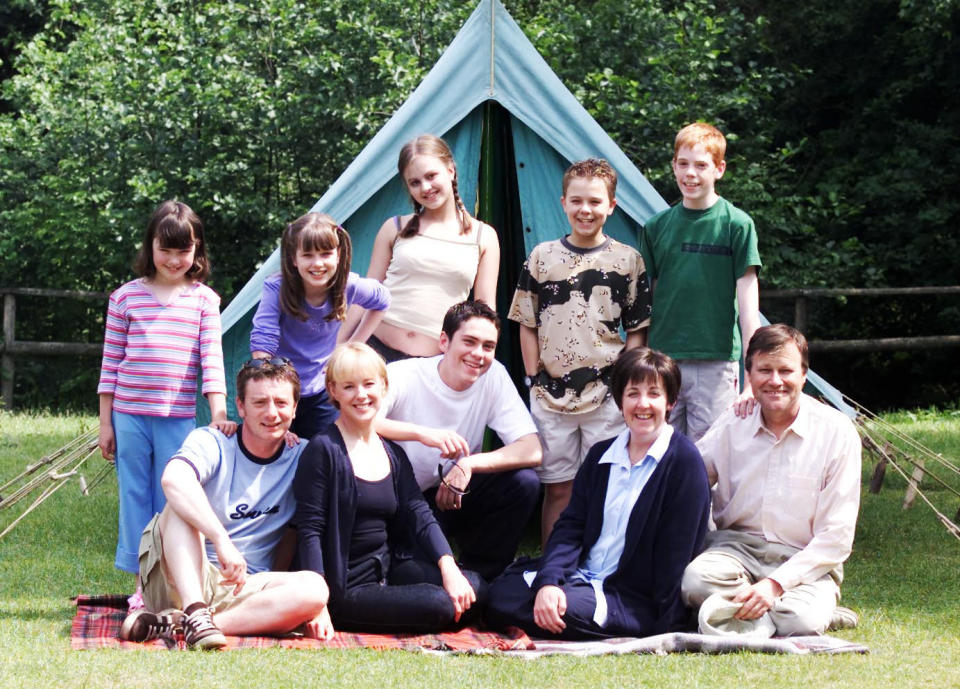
(143, 625)
(843, 618)
(199, 631)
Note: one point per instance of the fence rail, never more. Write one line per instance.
(11, 346)
(802, 295)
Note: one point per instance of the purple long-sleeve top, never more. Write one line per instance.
(308, 344)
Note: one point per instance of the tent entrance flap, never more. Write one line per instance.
(499, 205)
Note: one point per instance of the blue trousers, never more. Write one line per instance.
(314, 413)
(510, 604)
(144, 446)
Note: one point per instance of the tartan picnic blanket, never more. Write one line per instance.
(98, 621)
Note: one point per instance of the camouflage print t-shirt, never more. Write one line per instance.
(577, 299)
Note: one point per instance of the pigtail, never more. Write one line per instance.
(413, 224)
(291, 284)
(337, 294)
(428, 144)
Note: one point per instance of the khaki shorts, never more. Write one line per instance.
(566, 438)
(707, 389)
(160, 594)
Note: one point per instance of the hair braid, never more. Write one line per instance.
(413, 224)
(465, 220)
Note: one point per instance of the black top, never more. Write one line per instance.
(326, 491)
(376, 506)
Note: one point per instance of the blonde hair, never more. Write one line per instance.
(702, 133)
(351, 358)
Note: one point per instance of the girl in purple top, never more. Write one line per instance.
(302, 308)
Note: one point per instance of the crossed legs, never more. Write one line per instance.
(802, 610)
(268, 603)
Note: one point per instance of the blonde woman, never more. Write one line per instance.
(360, 515)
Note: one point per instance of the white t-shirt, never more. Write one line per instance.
(252, 497)
(416, 394)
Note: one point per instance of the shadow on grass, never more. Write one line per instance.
(40, 615)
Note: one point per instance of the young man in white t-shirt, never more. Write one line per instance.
(234, 493)
(438, 408)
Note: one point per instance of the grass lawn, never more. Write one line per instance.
(903, 579)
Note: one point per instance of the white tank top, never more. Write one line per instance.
(426, 276)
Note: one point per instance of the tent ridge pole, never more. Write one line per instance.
(493, 32)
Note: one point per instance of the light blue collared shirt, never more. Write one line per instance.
(624, 486)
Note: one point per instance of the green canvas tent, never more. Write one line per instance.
(513, 128)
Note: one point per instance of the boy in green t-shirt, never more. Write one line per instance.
(702, 259)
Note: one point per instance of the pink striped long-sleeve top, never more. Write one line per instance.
(152, 351)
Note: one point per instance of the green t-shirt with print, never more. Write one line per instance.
(696, 258)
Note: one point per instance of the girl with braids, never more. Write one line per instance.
(432, 258)
(303, 307)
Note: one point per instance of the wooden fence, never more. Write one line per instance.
(802, 295)
(11, 347)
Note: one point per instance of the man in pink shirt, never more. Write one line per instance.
(786, 491)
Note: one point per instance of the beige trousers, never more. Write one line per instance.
(733, 560)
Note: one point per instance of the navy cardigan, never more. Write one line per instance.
(326, 493)
(664, 533)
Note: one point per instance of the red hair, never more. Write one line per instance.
(702, 133)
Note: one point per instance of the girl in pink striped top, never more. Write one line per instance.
(161, 328)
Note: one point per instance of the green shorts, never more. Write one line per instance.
(160, 594)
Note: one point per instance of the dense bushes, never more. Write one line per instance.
(842, 117)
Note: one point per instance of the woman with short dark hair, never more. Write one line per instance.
(638, 514)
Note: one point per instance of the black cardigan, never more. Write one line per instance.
(326, 491)
(664, 532)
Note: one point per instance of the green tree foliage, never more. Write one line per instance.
(19, 20)
(879, 110)
(646, 69)
(877, 117)
(842, 119)
(245, 112)
(248, 113)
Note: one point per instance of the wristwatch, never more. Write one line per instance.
(528, 381)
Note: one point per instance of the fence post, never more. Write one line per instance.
(800, 314)
(6, 361)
